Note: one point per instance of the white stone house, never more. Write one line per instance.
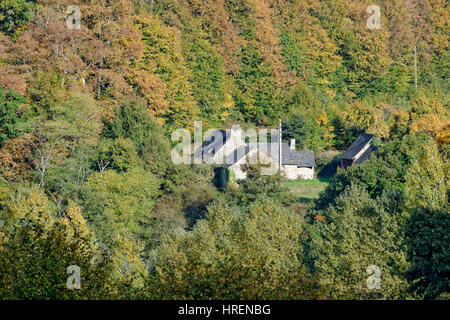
(228, 150)
(297, 164)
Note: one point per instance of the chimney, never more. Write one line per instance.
(292, 144)
(236, 129)
(236, 135)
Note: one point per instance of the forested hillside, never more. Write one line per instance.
(86, 177)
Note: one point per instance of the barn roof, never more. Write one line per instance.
(366, 155)
(357, 146)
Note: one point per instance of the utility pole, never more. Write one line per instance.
(279, 145)
(415, 67)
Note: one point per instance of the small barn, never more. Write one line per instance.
(359, 151)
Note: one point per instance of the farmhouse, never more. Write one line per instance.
(229, 150)
(297, 164)
(359, 151)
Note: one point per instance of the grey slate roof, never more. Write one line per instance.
(213, 143)
(357, 146)
(366, 155)
(298, 158)
(289, 157)
(238, 154)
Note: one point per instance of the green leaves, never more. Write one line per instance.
(36, 247)
(132, 121)
(427, 181)
(355, 233)
(111, 207)
(103, 101)
(10, 116)
(235, 255)
(429, 252)
(208, 78)
(14, 15)
(119, 154)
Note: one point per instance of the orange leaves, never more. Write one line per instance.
(98, 56)
(16, 159)
(167, 72)
(319, 218)
(220, 30)
(268, 41)
(152, 88)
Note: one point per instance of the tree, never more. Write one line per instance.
(352, 235)
(255, 187)
(306, 47)
(119, 154)
(16, 160)
(429, 252)
(61, 131)
(311, 133)
(37, 247)
(262, 79)
(118, 46)
(15, 15)
(10, 114)
(113, 210)
(384, 171)
(131, 120)
(427, 180)
(235, 255)
(164, 48)
(208, 79)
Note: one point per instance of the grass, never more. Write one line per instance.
(307, 190)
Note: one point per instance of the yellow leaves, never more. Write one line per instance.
(433, 125)
(321, 49)
(228, 255)
(328, 134)
(400, 118)
(126, 258)
(443, 135)
(76, 225)
(427, 181)
(429, 101)
(322, 119)
(168, 89)
(268, 40)
(34, 206)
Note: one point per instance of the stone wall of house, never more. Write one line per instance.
(235, 141)
(293, 172)
(238, 172)
(219, 155)
(255, 157)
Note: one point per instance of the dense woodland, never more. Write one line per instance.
(86, 178)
